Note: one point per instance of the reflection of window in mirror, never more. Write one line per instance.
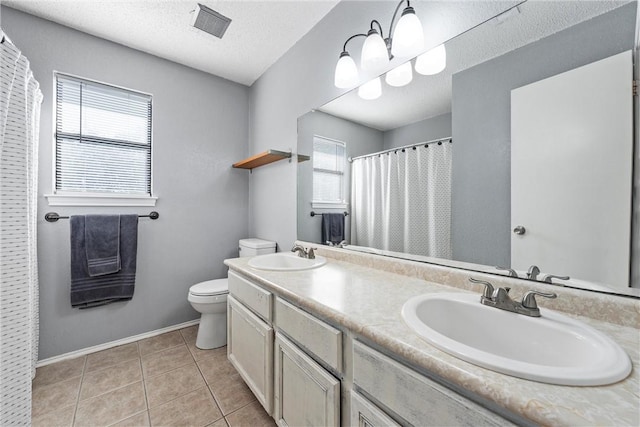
(329, 158)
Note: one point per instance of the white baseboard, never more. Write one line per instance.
(99, 347)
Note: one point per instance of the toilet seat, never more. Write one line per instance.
(210, 288)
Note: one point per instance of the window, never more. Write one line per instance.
(102, 143)
(329, 159)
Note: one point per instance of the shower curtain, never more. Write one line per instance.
(401, 200)
(20, 99)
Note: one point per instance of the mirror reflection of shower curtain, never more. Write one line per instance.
(20, 99)
(401, 201)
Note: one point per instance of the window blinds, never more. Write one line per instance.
(103, 138)
(328, 170)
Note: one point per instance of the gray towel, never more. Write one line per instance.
(332, 228)
(102, 241)
(87, 291)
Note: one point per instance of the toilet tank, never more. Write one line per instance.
(253, 247)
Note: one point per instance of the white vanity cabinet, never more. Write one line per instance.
(305, 393)
(414, 397)
(250, 337)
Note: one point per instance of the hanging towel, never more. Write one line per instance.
(88, 291)
(332, 228)
(102, 242)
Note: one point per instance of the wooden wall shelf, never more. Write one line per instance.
(262, 159)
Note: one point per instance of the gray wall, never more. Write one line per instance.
(359, 140)
(199, 130)
(481, 108)
(422, 131)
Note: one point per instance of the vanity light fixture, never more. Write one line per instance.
(371, 89)
(432, 61)
(406, 39)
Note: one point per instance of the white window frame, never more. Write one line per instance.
(69, 198)
(323, 204)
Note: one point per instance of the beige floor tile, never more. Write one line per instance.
(190, 334)
(194, 409)
(216, 366)
(252, 415)
(160, 342)
(220, 423)
(231, 393)
(105, 380)
(173, 384)
(111, 407)
(166, 360)
(199, 353)
(112, 356)
(46, 399)
(62, 417)
(60, 371)
(138, 420)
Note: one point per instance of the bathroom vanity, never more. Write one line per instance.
(327, 346)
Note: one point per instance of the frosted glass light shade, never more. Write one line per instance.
(432, 62)
(408, 37)
(371, 89)
(400, 76)
(346, 72)
(375, 56)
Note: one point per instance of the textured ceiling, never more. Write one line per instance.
(429, 96)
(259, 34)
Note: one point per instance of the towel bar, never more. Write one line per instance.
(345, 213)
(53, 216)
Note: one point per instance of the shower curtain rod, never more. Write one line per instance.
(439, 140)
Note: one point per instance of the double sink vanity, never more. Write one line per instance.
(358, 339)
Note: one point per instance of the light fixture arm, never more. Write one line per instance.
(344, 48)
(379, 27)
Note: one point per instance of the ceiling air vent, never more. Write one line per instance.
(210, 21)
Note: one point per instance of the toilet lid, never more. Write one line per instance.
(210, 287)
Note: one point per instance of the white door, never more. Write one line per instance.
(571, 166)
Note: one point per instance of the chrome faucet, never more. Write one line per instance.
(300, 250)
(512, 272)
(499, 298)
(532, 273)
(304, 253)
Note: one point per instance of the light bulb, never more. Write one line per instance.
(371, 89)
(375, 56)
(408, 36)
(400, 76)
(346, 72)
(432, 62)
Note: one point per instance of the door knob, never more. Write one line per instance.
(520, 230)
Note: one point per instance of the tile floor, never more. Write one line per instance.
(159, 381)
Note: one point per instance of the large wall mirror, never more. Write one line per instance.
(519, 154)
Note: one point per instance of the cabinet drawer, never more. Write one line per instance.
(314, 335)
(366, 414)
(414, 397)
(254, 297)
(250, 350)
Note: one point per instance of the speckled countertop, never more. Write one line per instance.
(368, 301)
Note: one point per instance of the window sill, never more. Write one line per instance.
(329, 205)
(99, 200)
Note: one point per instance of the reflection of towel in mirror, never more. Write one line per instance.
(332, 228)
(102, 243)
(88, 291)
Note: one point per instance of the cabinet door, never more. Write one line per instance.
(305, 393)
(250, 350)
(366, 414)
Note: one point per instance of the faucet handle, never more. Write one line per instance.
(311, 254)
(548, 278)
(512, 272)
(488, 287)
(529, 298)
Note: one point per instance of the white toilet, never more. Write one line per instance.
(210, 299)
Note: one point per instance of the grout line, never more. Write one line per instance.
(132, 415)
(75, 411)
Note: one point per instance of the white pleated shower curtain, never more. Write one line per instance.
(401, 201)
(20, 100)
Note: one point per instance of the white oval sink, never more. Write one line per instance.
(552, 348)
(285, 261)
